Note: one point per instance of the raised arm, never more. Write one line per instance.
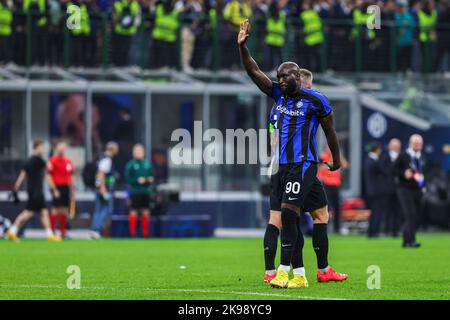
(327, 124)
(259, 78)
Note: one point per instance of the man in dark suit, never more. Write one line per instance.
(410, 180)
(392, 210)
(374, 186)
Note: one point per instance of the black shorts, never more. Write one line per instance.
(140, 201)
(64, 197)
(297, 184)
(36, 202)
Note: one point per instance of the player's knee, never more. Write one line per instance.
(320, 215)
(275, 218)
(290, 207)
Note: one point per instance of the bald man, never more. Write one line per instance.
(409, 172)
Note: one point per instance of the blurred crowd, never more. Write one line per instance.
(320, 34)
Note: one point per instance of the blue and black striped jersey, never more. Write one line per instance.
(297, 118)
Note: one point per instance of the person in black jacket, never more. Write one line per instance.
(410, 180)
(375, 189)
(392, 218)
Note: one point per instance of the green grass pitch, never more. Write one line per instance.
(217, 269)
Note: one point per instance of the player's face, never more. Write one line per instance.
(39, 150)
(60, 149)
(288, 77)
(306, 82)
(138, 153)
(416, 144)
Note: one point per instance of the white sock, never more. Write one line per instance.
(271, 272)
(284, 268)
(324, 270)
(48, 232)
(299, 271)
(13, 229)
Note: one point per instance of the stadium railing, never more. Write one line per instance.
(345, 48)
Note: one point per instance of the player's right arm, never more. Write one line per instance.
(49, 178)
(258, 77)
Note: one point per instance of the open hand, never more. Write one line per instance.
(244, 32)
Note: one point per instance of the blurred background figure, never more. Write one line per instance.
(38, 10)
(105, 181)
(191, 17)
(275, 36)
(125, 27)
(411, 182)
(6, 28)
(443, 34)
(139, 177)
(332, 181)
(234, 13)
(312, 31)
(392, 208)
(375, 189)
(165, 34)
(406, 25)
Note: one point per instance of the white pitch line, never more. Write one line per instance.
(243, 293)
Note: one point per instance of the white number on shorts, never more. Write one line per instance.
(294, 187)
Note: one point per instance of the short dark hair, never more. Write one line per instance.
(37, 143)
(374, 146)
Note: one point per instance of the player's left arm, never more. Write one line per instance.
(327, 124)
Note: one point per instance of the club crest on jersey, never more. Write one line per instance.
(299, 104)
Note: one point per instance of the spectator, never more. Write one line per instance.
(234, 13)
(105, 181)
(124, 135)
(275, 35)
(427, 19)
(165, 34)
(443, 34)
(125, 27)
(206, 38)
(191, 20)
(56, 27)
(409, 171)
(374, 186)
(6, 24)
(80, 34)
(311, 24)
(405, 27)
(392, 217)
(38, 10)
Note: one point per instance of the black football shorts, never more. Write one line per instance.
(297, 184)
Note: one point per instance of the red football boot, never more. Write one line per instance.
(269, 277)
(331, 275)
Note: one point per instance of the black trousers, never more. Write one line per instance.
(164, 54)
(410, 202)
(393, 215)
(310, 57)
(377, 207)
(6, 49)
(121, 48)
(334, 202)
(272, 57)
(404, 55)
